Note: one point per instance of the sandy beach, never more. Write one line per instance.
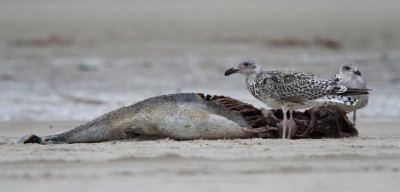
(370, 162)
(63, 63)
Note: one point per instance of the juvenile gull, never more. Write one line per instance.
(349, 76)
(291, 90)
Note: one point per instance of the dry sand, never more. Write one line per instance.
(63, 62)
(370, 162)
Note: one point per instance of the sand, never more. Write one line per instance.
(63, 63)
(370, 162)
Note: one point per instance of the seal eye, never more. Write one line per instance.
(246, 64)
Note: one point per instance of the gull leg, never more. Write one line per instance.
(354, 118)
(291, 122)
(285, 122)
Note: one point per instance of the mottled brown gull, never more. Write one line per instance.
(290, 90)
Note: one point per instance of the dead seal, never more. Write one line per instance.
(177, 116)
(187, 116)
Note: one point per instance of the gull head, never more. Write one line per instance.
(245, 68)
(350, 69)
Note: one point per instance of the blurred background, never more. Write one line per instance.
(78, 59)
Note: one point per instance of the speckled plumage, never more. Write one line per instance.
(350, 79)
(294, 90)
(349, 76)
(291, 90)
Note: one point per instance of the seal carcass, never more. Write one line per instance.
(187, 116)
(177, 116)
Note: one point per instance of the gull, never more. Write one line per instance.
(349, 76)
(290, 90)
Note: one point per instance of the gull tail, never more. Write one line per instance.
(341, 99)
(355, 91)
(342, 90)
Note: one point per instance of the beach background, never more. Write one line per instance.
(63, 63)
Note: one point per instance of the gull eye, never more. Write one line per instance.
(248, 64)
(346, 68)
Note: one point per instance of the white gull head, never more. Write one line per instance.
(245, 68)
(349, 70)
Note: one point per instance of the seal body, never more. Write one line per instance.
(177, 116)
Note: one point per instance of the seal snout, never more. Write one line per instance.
(231, 71)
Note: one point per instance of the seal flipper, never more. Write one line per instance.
(30, 138)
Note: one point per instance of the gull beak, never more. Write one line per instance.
(231, 71)
(357, 72)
